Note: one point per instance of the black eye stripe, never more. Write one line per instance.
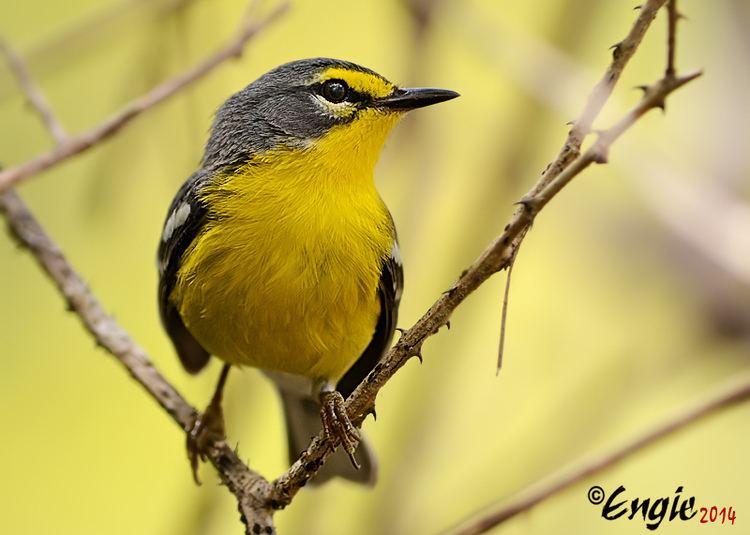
(356, 96)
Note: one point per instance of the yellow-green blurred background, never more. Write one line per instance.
(631, 295)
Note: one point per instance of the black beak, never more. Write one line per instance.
(411, 98)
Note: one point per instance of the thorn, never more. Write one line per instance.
(615, 48)
(401, 332)
(643, 88)
(371, 410)
(600, 157)
(682, 16)
(661, 105)
(636, 8)
(448, 324)
(529, 203)
(570, 123)
(689, 77)
(418, 354)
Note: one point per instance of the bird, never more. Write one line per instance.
(278, 253)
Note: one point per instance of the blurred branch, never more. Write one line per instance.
(500, 253)
(77, 144)
(95, 29)
(31, 91)
(731, 394)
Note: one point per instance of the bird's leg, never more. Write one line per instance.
(336, 423)
(208, 427)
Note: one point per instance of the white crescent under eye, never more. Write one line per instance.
(334, 109)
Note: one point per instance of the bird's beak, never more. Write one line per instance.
(404, 99)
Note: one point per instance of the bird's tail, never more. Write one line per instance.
(303, 423)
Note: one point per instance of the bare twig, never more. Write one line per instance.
(736, 392)
(31, 91)
(571, 149)
(598, 153)
(245, 484)
(495, 257)
(504, 312)
(621, 54)
(672, 17)
(77, 144)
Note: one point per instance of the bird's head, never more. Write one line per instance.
(313, 103)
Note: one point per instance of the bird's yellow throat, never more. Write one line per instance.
(310, 234)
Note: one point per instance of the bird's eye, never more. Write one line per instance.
(335, 91)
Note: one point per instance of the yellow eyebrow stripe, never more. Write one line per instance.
(359, 81)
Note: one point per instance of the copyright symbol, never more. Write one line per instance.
(596, 495)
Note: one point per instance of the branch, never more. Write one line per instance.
(571, 149)
(654, 97)
(673, 16)
(621, 54)
(31, 91)
(77, 144)
(535, 494)
(496, 256)
(245, 484)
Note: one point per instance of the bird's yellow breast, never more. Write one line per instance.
(284, 275)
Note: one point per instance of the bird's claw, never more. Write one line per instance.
(207, 429)
(337, 426)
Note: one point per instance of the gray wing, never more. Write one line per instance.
(184, 222)
(389, 290)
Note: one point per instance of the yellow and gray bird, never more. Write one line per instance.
(279, 253)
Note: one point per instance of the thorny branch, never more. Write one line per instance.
(654, 97)
(501, 252)
(672, 17)
(621, 54)
(580, 128)
(257, 498)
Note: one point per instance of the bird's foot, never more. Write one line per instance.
(336, 423)
(207, 429)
